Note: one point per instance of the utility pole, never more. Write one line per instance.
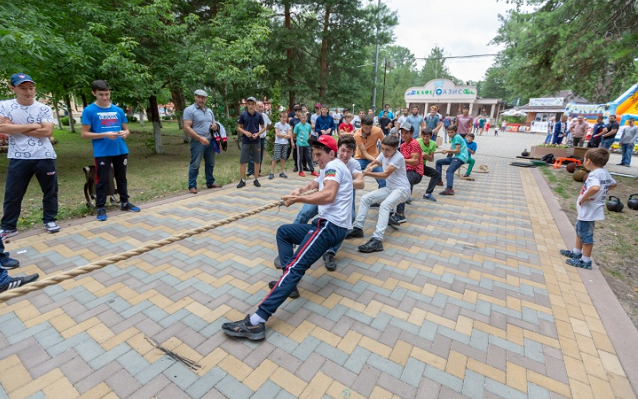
(376, 62)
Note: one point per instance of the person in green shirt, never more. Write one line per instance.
(458, 149)
(428, 146)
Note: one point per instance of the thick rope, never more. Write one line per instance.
(57, 278)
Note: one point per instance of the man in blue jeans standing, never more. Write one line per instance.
(458, 149)
(6, 263)
(29, 125)
(198, 120)
(334, 199)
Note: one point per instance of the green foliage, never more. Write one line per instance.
(65, 121)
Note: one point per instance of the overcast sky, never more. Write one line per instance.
(460, 27)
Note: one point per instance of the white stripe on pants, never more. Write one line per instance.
(389, 199)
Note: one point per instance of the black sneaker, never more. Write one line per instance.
(329, 261)
(283, 175)
(241, 184)
(127, 206)
(570, 254)
(373, 245)
(294, 294)
(16, 282)
(375, 205)
(244, 329)
(392, 221)
(271, 176)
(409, 201)
(7, 263)
(277, 262)
(354, 233)
(399, 218)
(295, 170)
(447, 191)
(256, 183)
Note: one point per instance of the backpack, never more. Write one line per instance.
(446, 122)
(549, 158)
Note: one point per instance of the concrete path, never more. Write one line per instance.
(469, 299)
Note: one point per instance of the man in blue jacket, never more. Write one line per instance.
(324, 123)
(560, 130)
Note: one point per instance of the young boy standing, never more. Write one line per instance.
(471, 150)
(105, 125)
(458, 148)
(301, 135)
(396, 191)
(282, 138)
(590, 204)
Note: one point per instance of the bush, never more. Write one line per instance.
(65, 121)
(131, 118)
(166, 117)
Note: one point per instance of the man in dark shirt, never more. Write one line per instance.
(384, 123)
(609, 133)
(250, 126)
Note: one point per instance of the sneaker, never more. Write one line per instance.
(578, 262)
(52, 227)
(570, 254)
(295, 170)
(244, 329)
(466, 175)
(429, 197)
(101, 214)
(294, 294)
(127, 206)
(392, 221)
(408, 201)
(282, 174)
(7, 263)
(302, 174)
(374, 245)
(4, 234)
(15, 282)
(256, 183)
(329, 261)
(447, 191)
(306, 169)
(277, 262)
(375, 205)
(354, 233)
(620, 164)
(439, 183)
(315, 174)
(271, 176)
(400, 218)
(242, 183)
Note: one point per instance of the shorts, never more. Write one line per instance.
(247, 150)
(280, 152)
(585, 231)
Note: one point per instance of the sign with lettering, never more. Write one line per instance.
(440, 90)
(546, 102)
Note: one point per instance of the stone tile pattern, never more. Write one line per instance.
(469, 299)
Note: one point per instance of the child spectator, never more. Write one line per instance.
(590, 204)
(471, 150)
(384, 123)
(282, 138)
(293, 122)
(428, 147)
(301, 134)
(346, 127)
(458, 149)
(396, 190)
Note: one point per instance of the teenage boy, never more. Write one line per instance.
(293, 122)
(411, 151)
(428, 148)
(6, 263)
(329, 229)
(356, 121)
(262, 139)
(396, 191)
(313, 118)
(346, 127)
(384, 122)
(367, 138)
(282, 138)
(471, 150)
(251, 125)
(29, 125)
(591, 207)
(464, 122)
(301, 135)
(458, 149)
(198, 121)
(324, 124)
(105, 125)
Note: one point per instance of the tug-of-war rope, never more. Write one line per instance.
(58, 278)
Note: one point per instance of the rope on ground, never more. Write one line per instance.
(58, 278)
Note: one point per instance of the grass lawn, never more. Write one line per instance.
(150, 176)
(615, 238)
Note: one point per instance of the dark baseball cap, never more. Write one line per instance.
(19, 78)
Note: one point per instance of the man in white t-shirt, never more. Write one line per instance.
(262, 138)
(29, 125)
(396, 191)
(329, 229)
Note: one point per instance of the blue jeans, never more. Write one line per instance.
(19, 174)
(558, 138)
(548, 139)
(313, 241)
(198, 150)
(627, 152)
(251, 164)
(454, 163)
(378, 169)
(607, 142)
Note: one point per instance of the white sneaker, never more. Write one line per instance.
(4, 234)
(52, 227)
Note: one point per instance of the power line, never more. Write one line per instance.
(457, 56)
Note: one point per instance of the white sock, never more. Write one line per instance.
(577, 251)
(586, 259)
(256, 319)
(243, 180)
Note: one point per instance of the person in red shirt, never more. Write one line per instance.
(346, 126)
(411, 150)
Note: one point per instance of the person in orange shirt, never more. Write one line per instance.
(367, 139)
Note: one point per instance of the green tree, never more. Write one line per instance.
(435, 68)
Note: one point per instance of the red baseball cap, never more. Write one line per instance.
(326, 140)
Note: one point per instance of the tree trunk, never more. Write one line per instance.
(84, 101)
(141, 116)
(67, 101)
(324, 56)
(157, 126)
(289, 57)
(180, 104)
(57, 112)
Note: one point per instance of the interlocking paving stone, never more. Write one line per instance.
(467, 300)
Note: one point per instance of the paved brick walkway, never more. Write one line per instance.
(469, 299)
